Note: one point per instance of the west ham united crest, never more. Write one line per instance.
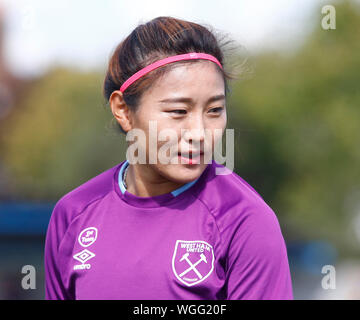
(193, 261)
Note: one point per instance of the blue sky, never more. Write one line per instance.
(82, 34)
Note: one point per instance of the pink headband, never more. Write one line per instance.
(159, 63)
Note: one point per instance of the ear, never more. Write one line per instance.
(120, 110)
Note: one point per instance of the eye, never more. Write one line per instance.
(216, 110)
(178, 111)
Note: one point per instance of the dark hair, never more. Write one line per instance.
(157, 39)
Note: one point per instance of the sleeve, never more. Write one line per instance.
(54, 286)
(257, 262)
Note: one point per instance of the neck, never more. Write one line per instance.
(143, 181)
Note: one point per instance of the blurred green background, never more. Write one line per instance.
(296, 116)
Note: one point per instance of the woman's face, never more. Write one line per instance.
(189, 101)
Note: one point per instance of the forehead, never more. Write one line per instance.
(197, 79)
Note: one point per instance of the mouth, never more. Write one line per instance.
(190, 157)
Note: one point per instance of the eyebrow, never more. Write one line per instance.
(191, 101)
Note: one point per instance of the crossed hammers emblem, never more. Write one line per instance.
(192, 266)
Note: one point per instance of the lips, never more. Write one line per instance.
(191, 154)
(190, 158)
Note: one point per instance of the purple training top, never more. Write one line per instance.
(212, 239)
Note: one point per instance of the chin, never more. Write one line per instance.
(184, 173)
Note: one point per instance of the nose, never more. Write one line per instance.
(194, 135)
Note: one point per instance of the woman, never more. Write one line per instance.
(177, 229)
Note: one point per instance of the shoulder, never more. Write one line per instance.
(73, 203)
(235, 205)
(250, 232)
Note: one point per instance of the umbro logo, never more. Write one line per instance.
(84, 256)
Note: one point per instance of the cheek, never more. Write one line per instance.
(217, 129)
(168, 141)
